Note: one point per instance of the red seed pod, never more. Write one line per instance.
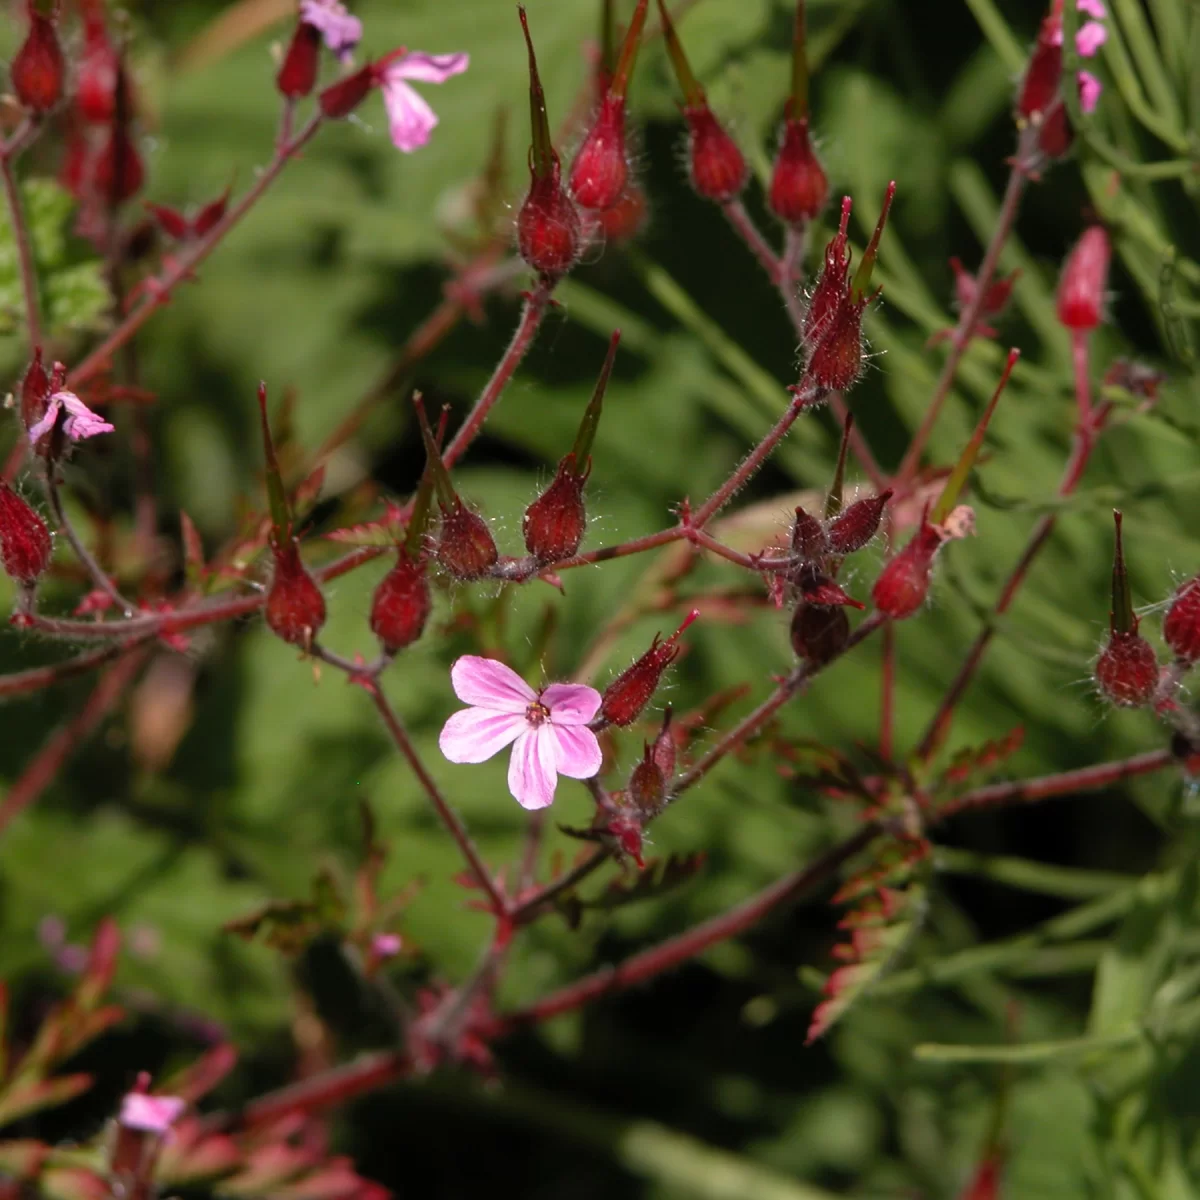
(626, 218)
(1181, 626)
(342, 98)
(819, 589)
(1055, 135)
(554, 523)
(599, 171)
(548, 233)
(857, 524)
(1039, 88)
(833, 284)
(295, 608)
(836, 359)
(465, 545)
(298, 72)
(647, 785)
(1127, 670)
(716, 167)
(24, 539)
(819, 633)
(118, 171)
(38, 68)
(664, 749)
(799, 185)
(903, 583)
(401, 604)
(1084, 278)
(808, 536)
(96, 90)
(35, 391)
(631, 691)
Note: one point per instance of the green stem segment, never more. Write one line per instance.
(433, 458)
(582, 449)
(422, 503)
(833, 502)
(798, 105)
(629, 50)
(281, 517)
(1122, 617)
(862, 276)
(542, 159)
(693, 93)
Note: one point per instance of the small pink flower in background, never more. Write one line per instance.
(547, 729)
(387, 945)
(81, 422)
(150, 1114)
(1090, 38)
(1089, 91)
(1093, 8)
(410, 119)
(341, 31)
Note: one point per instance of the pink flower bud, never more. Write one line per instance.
(818, 632)
(599, 171)
(1084, 278)
(548, 233)
(295, 608)
(630, 692)
(716, 166)
(298, 72)
(903, 583)
(1181, 626)
(554, 523)
(857, 524)
(38, 68)
(1127, 670)
(401, 604)
(24, 539)
(465, 545)
(799, 186)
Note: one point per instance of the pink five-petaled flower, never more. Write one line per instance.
(340, 31)
(548, 729)
(410, 119)
(150, 1114)
(81, 422)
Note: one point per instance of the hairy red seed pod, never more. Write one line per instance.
(819, 589)
(35, 390)
(1181, 626)
(799, 186)
(630, 692)
(342, 98)
(465, 545)
(808, 535)
(401, 604)
(857, 524)
(548, 232)
(554, 523)
(836, 359)
(118, 171)
(38, 68)
(716, 167)
(1127, 670)
(1039, 88)
(298, 72)
(1084, 278)
(96, 89)
(832, 286)
(295, 608)
(627, 217)
(903, 583)
(647, 785)
(819, 633)
(24, 539)
(599, 171)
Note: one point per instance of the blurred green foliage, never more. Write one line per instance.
(698, 1086)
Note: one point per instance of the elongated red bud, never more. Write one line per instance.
(295, 608)
(832, 284)
(297, 74)
(631, 691)
(1181, 626)
(599, 172)
(819, 633)
(647, 785)
(96, 88)
(836, 360)
(903, 584)
(38, 67)
(24, 539)
(1039, 88)
(1127, 670)
(401, 604)
(555, 522)
(342, 98)
(1084, 279)
(664, 747)
(1055, 134)
(35, 390)
(808, 535)
(856, 525)
(465, 545)
(799, 185)
(716, 166)
(119, 173)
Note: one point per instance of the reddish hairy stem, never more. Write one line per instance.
(448, 818)
(36, 679)
(24, 244)
(159, 290)
(735, 212)
(531, 907)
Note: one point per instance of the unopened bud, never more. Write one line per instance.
(465, 545)
(1039, 88)
(808, 536)
(904, 581)
(856, 525)
(298, 72)
(647, 785)
(836, 360)
(818, 633)
(799, 185)
(401, 604)
(554, 523)
(599, 171)
(38, 67)
(96, 89)
(548, 233)
(1055, 135)
(35, 391)
(1181, 626)
(664, 748)
(630, 692)
(833, 282)
(1127, 670)
(1084, 279)
(24, 539)
(342, 98)
(295, 608)
(716, 167)
(119, 173)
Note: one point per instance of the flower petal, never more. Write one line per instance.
(150, 1114)
(39, 429)
(531, 770)
(473, 735)
(571, 703)
(81, 422)
(1093, 8)
(1090, 38)
(427, 68)
(410, 119)
(340, 31)
(1089, 91)
(578, 754)
(490, 684)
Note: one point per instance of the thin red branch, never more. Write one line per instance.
(744, 226)
(24, 244)
(37, 679)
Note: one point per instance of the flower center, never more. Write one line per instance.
(537, 713)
